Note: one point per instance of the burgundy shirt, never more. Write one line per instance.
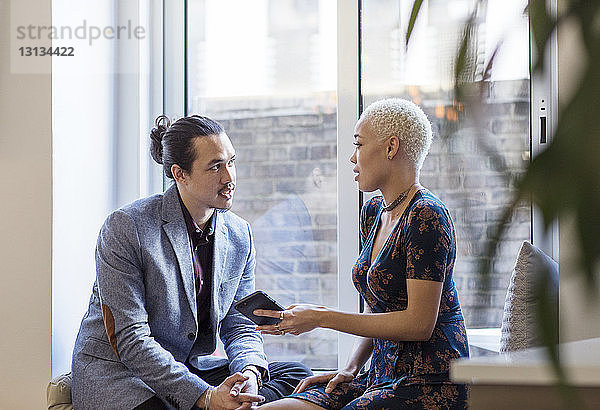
(202, 246)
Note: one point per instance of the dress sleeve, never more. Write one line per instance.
(429, 240)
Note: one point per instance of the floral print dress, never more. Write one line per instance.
(402, 375)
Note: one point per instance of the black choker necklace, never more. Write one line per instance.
(397, 201)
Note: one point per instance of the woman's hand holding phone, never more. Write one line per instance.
(296, 319)
(258, 300)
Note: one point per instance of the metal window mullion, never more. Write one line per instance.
(347, 113)
(151, 92)
(174, 58)
(127, 109)
(544, 87)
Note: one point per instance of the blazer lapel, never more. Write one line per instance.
(177, 233)
(219, 260)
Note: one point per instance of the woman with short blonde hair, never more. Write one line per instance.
(412, 327)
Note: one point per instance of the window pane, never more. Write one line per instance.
(266, 70)
(459, 169)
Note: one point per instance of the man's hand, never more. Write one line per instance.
(222, 398)
(249, 386)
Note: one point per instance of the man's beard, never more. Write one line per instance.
(229, 187)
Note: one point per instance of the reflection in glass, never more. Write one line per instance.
(266, 70)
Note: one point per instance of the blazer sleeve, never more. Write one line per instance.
(243, 343)
(119, 270)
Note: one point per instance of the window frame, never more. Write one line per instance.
(544, 87)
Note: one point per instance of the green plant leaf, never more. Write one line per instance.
(571, 167)
(546, 314)
(413, 18)
(588, 21)
(565, 178)
(542, 25)
(463, 72)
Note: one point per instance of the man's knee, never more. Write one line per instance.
(285, 376)
(294, 370)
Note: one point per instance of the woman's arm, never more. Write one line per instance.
(363, 347)
(416, 323)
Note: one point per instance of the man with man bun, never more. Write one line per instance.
(168, 270)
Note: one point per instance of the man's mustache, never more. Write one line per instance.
(229, 187)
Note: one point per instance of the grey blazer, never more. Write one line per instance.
(141, 324)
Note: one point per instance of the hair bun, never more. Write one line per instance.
(157, 133)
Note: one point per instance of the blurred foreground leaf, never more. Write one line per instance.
(413, 18)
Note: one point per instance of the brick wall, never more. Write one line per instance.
(286, 189)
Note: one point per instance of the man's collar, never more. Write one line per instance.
(192, 226)
(212, 222)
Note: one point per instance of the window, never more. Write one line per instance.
(268, 73)
(461, 167)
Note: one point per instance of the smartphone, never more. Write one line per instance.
(258, 300)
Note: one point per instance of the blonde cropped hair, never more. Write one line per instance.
(405, 120)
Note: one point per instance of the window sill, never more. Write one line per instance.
(484, 342)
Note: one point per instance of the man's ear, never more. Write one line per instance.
(178, 174)
(393, 145)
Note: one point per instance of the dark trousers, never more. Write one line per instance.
(285, 376)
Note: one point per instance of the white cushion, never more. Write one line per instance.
(519, 324)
